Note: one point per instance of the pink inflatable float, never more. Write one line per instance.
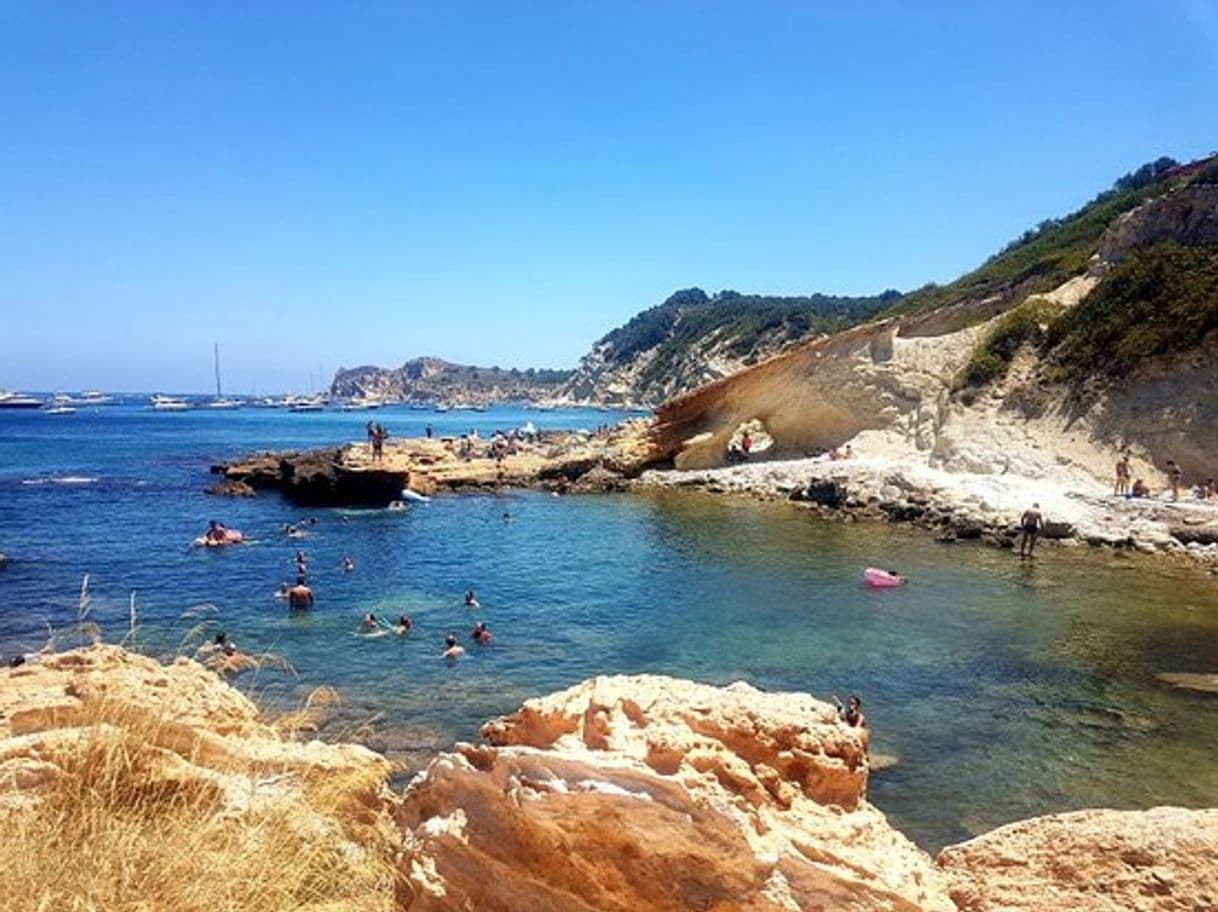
(882, 579)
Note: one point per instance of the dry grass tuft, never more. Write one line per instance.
(126, 825)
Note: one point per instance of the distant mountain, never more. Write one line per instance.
(693, 337)
(435, 380)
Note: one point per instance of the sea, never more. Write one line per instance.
(995, 689)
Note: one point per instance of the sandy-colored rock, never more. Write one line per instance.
(205, 729)
(631, 793)
(1161, 860)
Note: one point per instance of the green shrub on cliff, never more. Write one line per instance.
(1161, 300)
(992, 357)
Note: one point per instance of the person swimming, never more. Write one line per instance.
(471, 599)
(369, 624)
(348, 564)
(480, 633)
(285, 590)
(452, 650)
(402, 627)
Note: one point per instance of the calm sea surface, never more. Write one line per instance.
(1002, 690)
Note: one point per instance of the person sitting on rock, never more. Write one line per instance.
(480, 634)
(852, 712)
(300, 596)
(452, 650)
(1140, 488)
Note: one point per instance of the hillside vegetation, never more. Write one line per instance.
(1047, 255)
(1159, 301)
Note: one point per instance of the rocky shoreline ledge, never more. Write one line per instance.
(348, 476)
(952, 505)
(964, 506)
(620, 793)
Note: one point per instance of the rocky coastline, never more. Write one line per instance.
(349, 476)
(619, 793)
(958, 506)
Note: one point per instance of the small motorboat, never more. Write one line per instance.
(59, 410)
(882, 579)
(408, 494)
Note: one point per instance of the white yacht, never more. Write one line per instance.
(168, 403)
(17, 401)
(59, 408)
(305, 403)
(220, 402)
(94, 397)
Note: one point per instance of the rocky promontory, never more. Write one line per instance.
(349, 476)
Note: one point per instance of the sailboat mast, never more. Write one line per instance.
(217, 344)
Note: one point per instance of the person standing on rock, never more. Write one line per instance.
(1174, 477)
(1031, 523)
(1122, 475)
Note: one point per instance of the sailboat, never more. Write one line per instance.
(220, 402)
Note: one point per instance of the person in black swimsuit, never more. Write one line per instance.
(1031, 523)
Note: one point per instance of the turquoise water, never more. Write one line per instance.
(1002, 690)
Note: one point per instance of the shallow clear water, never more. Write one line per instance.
(1002, 690)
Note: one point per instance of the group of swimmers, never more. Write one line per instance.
(372, 626)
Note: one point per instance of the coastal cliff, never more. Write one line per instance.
(434, 380)
(1009, 393)
(126, 783)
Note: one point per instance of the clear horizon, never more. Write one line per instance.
(502, 185)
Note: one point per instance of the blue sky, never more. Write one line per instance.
(316, 185)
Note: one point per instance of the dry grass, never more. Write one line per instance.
(129, 826)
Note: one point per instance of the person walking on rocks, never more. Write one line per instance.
(1031, 523)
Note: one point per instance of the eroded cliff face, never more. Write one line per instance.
(632, 793)
(894, 383)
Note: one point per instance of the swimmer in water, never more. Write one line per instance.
(284, 590)
(348, 564)
(402, 627)
(452, 650)
(300, 596)
(471, 600)
(369, 624)
(480, 634)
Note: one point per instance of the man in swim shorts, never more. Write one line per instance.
(1031, 523)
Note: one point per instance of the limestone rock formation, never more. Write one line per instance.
(207, 730)
(632, 793)
(1161, 860)
(129, 784)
